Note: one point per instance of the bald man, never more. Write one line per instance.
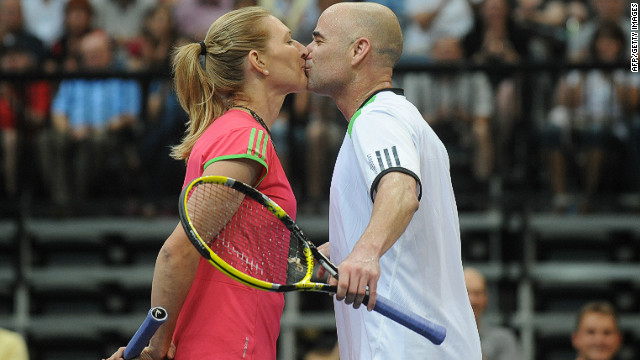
(498, 343)
(393, 220)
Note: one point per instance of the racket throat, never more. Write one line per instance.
(330, 269)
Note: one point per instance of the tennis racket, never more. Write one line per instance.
(250, 238)
(156, 317)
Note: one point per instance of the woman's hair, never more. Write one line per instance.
(610, 30)
(202, 89)
(79, 4)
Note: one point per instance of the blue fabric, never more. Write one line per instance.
(94, 102)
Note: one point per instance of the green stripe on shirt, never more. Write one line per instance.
(258, 141)
(353, 118)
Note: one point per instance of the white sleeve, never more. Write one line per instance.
(384, 144)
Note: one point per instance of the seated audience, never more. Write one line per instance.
(24, 109)
(93, 123)
(122, 20)
(14, 33)
(592, 111)
(457, 105)
(611, 11)
(428, 20)
(65, 52)
(193, 17)
(545, 21)
(497, 40)
(44, 19)
(165, 119)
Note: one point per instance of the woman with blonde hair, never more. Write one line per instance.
(232, 85)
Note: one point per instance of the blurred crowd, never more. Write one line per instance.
(71, 140)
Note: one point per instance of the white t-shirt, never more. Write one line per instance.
(600, 103)
(422, 272)
(454, 20)
(44, 19)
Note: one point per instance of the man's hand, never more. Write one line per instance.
(359, 272)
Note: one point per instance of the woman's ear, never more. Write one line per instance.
(258, 62)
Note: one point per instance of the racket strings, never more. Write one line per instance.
(245, 234)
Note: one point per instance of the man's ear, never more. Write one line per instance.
(258, 62)
(360, 50)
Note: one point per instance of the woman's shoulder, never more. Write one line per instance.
(230, 128)
(235, 120)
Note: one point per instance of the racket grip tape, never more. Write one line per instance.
(156, 317)
(432, 331)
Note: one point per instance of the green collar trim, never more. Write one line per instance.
(353, 118)
(371, 98)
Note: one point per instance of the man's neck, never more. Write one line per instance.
(350, 103)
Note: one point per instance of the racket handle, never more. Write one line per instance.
(432, 331)
(156, 317)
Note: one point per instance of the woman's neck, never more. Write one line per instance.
(262, 101)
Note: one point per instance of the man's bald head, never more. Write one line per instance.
(96, 50)
(373, 21)
(477, 289)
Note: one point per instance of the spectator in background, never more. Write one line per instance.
(12, 346)
(605, 11)
(593, 109)
(427, 20)
(152, 48)
(122, 20)
(44, 19)
(325, 129)
(497, 343)
(308, 21)
(92, 119)
(165, 119)
(65, 52)
(546, 23)
(577, 16)
(24, 107)
(13, 33)
(193, 17)
(496, 40)
(458, 106)
(596, 334)
(543, 12)
(293, 13)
